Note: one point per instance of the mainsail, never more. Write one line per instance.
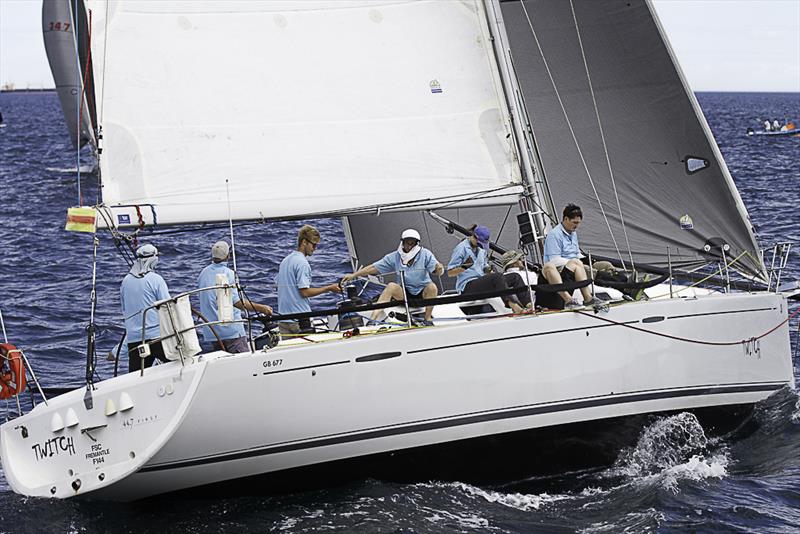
(289, 109)
(619, 134)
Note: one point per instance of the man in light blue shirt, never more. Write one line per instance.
(294, 282)
(228, 336)
(140, 289)
(562, 257)
(469, 264)
(416, 263)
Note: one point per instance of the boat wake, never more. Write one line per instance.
(670, 451)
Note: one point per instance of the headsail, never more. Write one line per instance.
(644, 146)
(318, 107)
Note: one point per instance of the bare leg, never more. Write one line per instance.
(576, 266)
(429, 292)
(391, 291)
(554, 277)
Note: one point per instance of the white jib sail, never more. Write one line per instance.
(306, 107)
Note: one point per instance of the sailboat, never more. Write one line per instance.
(387, 113)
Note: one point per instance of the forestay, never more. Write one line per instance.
(315, 107)
(672, 185)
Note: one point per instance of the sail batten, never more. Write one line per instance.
(330, 108)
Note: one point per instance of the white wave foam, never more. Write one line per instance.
(667, 442)
(85, 169)
(697, 468)
(519, 501)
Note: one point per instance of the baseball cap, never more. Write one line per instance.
(482, 235)
(410, 234)
(220, 250)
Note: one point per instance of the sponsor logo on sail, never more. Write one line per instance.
(686, 222)
(436, 87)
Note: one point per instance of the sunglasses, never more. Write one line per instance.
(314, 245)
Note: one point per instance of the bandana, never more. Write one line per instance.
(407, 257)
(146, 260)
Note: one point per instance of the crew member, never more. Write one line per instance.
(294, 282)
(469, 264)
(231, 336)
(562, 257)
(140, 289)
(416, 263)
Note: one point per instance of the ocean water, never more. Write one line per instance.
(675, 478)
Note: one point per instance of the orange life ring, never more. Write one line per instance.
(12, 371)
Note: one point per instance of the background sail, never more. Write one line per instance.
(656, 136)
(315, 107)
(370, 237)
(66, 41)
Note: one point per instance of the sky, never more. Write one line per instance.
(721, 45)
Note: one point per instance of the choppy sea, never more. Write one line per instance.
(675, 479)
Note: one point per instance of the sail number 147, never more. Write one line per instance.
(60, 26)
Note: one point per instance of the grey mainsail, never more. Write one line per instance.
(616, 127)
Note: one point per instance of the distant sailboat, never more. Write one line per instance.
(381, 111)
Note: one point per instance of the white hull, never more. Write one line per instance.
(231, 416)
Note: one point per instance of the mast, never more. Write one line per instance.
(537, 198)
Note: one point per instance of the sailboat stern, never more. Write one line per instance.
(76, 444)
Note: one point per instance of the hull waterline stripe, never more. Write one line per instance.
(480, 417)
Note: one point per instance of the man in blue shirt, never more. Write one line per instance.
(141, 288)
(562, 257)
(229, 336)
(469, 263)
(416, 264)
(294, 281)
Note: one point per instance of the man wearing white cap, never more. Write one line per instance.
(141, 288)
(415, 262)
(231, 335)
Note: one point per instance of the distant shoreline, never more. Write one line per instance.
(50, 90)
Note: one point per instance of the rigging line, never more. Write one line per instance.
(695, 341)
(715, 273)
(602, 137)
(571, 129)
(105, 62)
(503, 225)
(78, 97)
(428, 233)
(476, 196)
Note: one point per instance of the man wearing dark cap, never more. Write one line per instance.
(141, 288)
(469, 264)
(231, 336)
